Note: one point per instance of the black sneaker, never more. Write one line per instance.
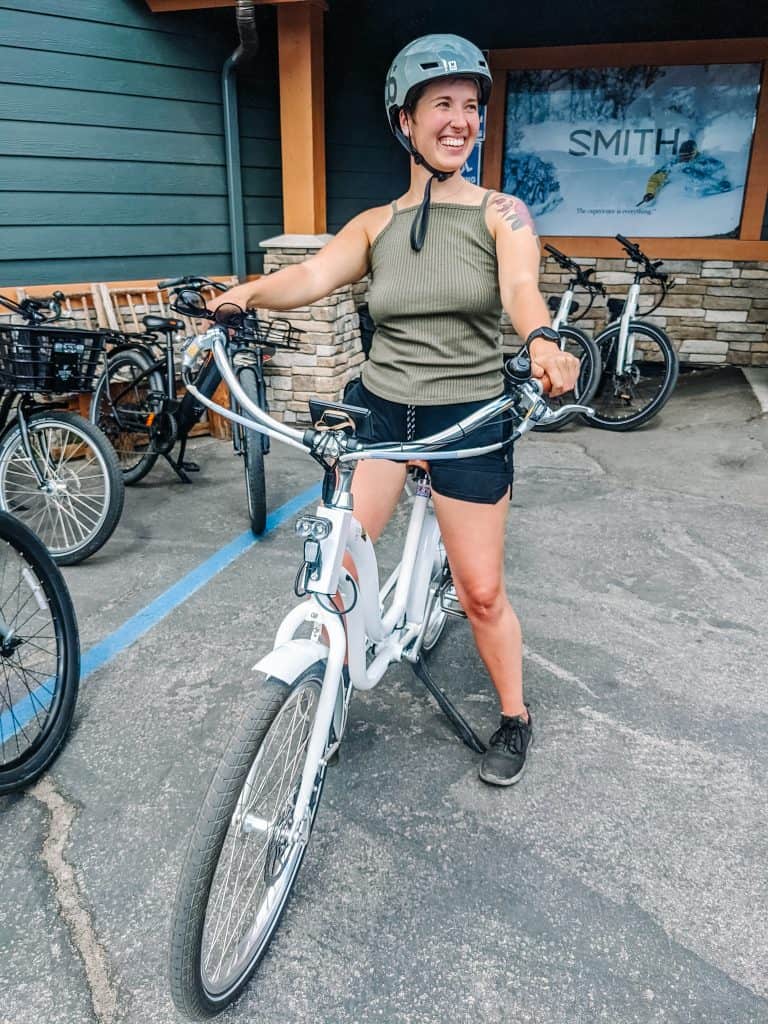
(504, 760)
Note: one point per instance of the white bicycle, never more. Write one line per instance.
(252, 831)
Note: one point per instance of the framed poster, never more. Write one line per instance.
(674, 149)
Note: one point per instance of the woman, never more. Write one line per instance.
(444, 259)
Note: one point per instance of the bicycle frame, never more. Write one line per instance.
(625, 353)
(393, 633)
(390, 634)
(561, 316)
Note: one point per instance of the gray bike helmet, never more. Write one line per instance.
(425, 60)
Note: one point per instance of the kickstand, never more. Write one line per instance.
(461, 726)
(182, 466)
(179, 468)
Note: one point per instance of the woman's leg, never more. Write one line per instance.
(473, 535)
(376, 489)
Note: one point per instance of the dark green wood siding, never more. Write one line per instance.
(112, 154)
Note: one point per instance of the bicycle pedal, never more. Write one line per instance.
(449, 600)
(191, 467)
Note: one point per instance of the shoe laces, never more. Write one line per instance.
(511, 734)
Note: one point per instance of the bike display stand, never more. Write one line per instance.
(460, 725)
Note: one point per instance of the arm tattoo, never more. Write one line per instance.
(514, 212)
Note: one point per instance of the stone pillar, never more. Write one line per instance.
(329, 354)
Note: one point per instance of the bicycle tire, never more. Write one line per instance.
(228, 800)
(653, 379)
(81, 505)
(40, 667)
(131, 402)
(437, 617)
(588, 354)
(253, 459)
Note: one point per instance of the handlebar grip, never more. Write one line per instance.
(555, 252)
(626, 243)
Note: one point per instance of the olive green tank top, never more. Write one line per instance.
(437, 311)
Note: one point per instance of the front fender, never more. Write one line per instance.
(290, 659)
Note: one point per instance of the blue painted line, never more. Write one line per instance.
(14, 719)
(162, 606)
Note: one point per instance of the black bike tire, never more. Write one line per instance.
(47, 746)
(206, 843)
(143, 360)
(672, 369)
(253, 459)
(115, 492)
(591, 353)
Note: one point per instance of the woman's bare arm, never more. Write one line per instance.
(518, 255)
(342, 261)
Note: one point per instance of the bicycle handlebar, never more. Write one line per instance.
(32, 309)
(193, 281)
(524, 402)
(581, 275)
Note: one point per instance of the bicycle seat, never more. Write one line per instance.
(615, 307)
(164, 324)
(554, 304)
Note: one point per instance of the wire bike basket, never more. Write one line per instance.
(49, 360)
(278, 333)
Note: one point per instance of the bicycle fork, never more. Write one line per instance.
(43, 481)
(625, 354)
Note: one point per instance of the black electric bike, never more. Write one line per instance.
(137, 405)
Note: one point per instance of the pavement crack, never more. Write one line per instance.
(76, 917)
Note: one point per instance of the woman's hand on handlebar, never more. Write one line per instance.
(238, 296)
(558, 371)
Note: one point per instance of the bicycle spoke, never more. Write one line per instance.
(243, 898)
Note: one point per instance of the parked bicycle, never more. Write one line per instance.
(252, 831)
(137, 405)
(640, 365)
(40, 652)
(572, 339)
(58, 472)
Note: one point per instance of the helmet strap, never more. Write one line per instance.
(421, 220)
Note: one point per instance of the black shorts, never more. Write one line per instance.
(483, 479)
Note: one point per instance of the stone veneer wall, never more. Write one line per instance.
(717, 313)
(330, 352)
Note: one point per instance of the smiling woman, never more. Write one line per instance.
(444, 259)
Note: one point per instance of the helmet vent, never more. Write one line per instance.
(430, 65)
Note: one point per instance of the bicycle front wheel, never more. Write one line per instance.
(585, 350)
(77, 507)
(242, 860)
(625, 400)
(124, 403)
(253, 459)
(40, 656)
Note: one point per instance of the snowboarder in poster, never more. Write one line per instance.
(700, 175)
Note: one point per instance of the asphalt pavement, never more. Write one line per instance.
(622, 880)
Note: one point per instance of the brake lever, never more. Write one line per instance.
(566, 410)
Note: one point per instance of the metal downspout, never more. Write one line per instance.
(246, 24)
(234, 171)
